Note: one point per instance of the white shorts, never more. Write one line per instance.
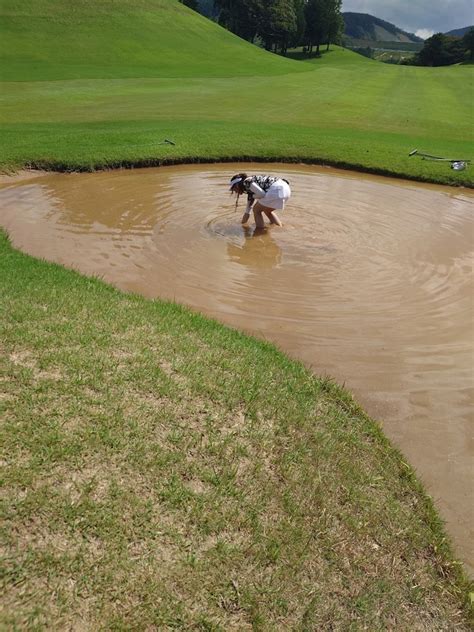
(276, 196)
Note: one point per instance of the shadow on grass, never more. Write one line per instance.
(300, 54)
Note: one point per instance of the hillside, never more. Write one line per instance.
(123, 78)
(54, 39)
(363, 26)
(460, 32)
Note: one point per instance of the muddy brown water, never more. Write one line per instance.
(369, 281)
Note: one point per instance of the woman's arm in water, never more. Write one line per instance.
(245, 218)
(250, 202)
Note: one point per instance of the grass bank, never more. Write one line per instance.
(88, 89)
(160, 469)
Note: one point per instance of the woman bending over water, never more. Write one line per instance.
(271, 194)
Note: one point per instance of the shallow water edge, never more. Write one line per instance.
(62, 167)
(370, 281)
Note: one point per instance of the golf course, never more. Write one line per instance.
(160, 470)
(96, 87)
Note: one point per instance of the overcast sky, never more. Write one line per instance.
(423, 17)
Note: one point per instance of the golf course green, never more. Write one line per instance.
(93, 87)
(161, 471)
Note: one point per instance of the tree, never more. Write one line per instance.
(283, 23)
(192, 4)
(207, 8)
(298, 37)
(468, 43)
(240, 16)
(275, 21)
(335, 22)
(278, 24)
(315, 27)
(324, 22)
(440, 50)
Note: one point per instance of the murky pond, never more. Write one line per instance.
(370, 281)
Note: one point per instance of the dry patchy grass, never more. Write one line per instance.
(152, 480)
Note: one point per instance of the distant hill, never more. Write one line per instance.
(459, 32)
(362, 26)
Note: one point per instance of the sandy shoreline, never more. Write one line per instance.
(23, 174)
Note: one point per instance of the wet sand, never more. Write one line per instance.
(369, 281)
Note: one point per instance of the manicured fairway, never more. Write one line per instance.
(102, 105)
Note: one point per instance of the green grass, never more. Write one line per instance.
(160, 469)
(88, 89)
(51, 40)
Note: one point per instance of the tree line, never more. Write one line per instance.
(280, 24)
(192, 4)
(445, 50)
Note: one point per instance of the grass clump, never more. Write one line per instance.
(161, 470)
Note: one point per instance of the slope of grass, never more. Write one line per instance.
(43, 40)
(347, 111)
(342, 110)
(161, 471)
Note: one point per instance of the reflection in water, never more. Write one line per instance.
(370, 281)
(258, 250)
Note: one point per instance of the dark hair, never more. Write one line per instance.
(240, 185)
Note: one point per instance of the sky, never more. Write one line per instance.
(422, 17)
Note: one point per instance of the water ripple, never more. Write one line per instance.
(370, 280)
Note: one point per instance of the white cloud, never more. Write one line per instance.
(417, 15)
(424, 33)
